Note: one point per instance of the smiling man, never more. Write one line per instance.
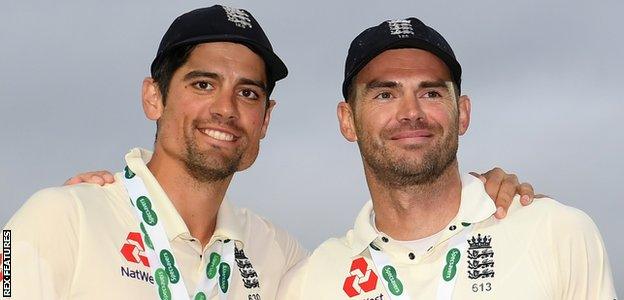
(428, 232)
(163, 228)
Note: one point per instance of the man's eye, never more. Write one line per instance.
(384, 95)
(249, 94)
(432, 94)
(203, 85)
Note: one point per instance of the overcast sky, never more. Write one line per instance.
(545, 78)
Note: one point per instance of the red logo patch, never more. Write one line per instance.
(134, 250)
(362, 278)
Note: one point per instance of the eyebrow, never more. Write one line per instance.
(247, 81)
(259, 83)
(196, 74)
(375, 84)
(433, 84)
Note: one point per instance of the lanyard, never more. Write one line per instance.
(395, 288)
(167, 278)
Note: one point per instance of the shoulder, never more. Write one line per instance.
(58, 203)
(259, 228)
(551, 209)
(553, 216)
(332, 252)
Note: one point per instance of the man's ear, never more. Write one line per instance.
(151, 99)
(464, 106)
(346, 121)
(267, 118)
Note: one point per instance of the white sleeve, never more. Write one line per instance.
(584, 264)
(44, 242)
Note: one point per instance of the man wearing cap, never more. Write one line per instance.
(428, 232)
(163, 229)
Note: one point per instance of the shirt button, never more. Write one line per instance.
(453, 227)
(384, 239)
(412, 256)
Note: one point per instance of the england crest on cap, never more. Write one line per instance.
(401, 28)
(237, 16)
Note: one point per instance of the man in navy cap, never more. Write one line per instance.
(163, 228)
(428, 232)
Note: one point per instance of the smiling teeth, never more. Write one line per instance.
(219, 135)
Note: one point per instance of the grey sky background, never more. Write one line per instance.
(545, 78)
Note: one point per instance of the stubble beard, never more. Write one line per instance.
(400, 172)
(206, 167)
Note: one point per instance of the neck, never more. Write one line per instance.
(197, 202)
(416, 211)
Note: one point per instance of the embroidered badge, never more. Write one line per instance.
(480, 257)
(248, 274)
(237, 16)
(401, 28)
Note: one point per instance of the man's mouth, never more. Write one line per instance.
(218, 135)
(412, 134)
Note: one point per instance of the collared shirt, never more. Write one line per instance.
(543, 251)
(84, 242)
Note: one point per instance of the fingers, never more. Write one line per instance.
(97, 177)
(493, 181)
(72, 180)
(500, 213)
(94, 179)
(526, 192)
(506, 194)
(475, 174)
(108, 177)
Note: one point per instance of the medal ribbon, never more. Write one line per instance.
(167, 277)
(395, 288)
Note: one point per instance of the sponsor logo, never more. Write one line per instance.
(5, 258)
(450, 269)
(163, 284)
(134, 250)
(148, 214)
(362, 278)
(395, 286)
(380, 297)
(224, 274)
(213, 265)
(200, 296)
(401, 28)
(167, 260)
(128, 173)
(480, 257)
(248, 274)
(137, 274)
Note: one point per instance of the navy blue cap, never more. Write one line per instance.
(396, 34)
(221, 24)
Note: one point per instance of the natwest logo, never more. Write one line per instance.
(362, 278)
(134, 250)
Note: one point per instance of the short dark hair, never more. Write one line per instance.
(164, 70)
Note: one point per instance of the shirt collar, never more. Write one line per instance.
(476, 206)
(228, 224)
